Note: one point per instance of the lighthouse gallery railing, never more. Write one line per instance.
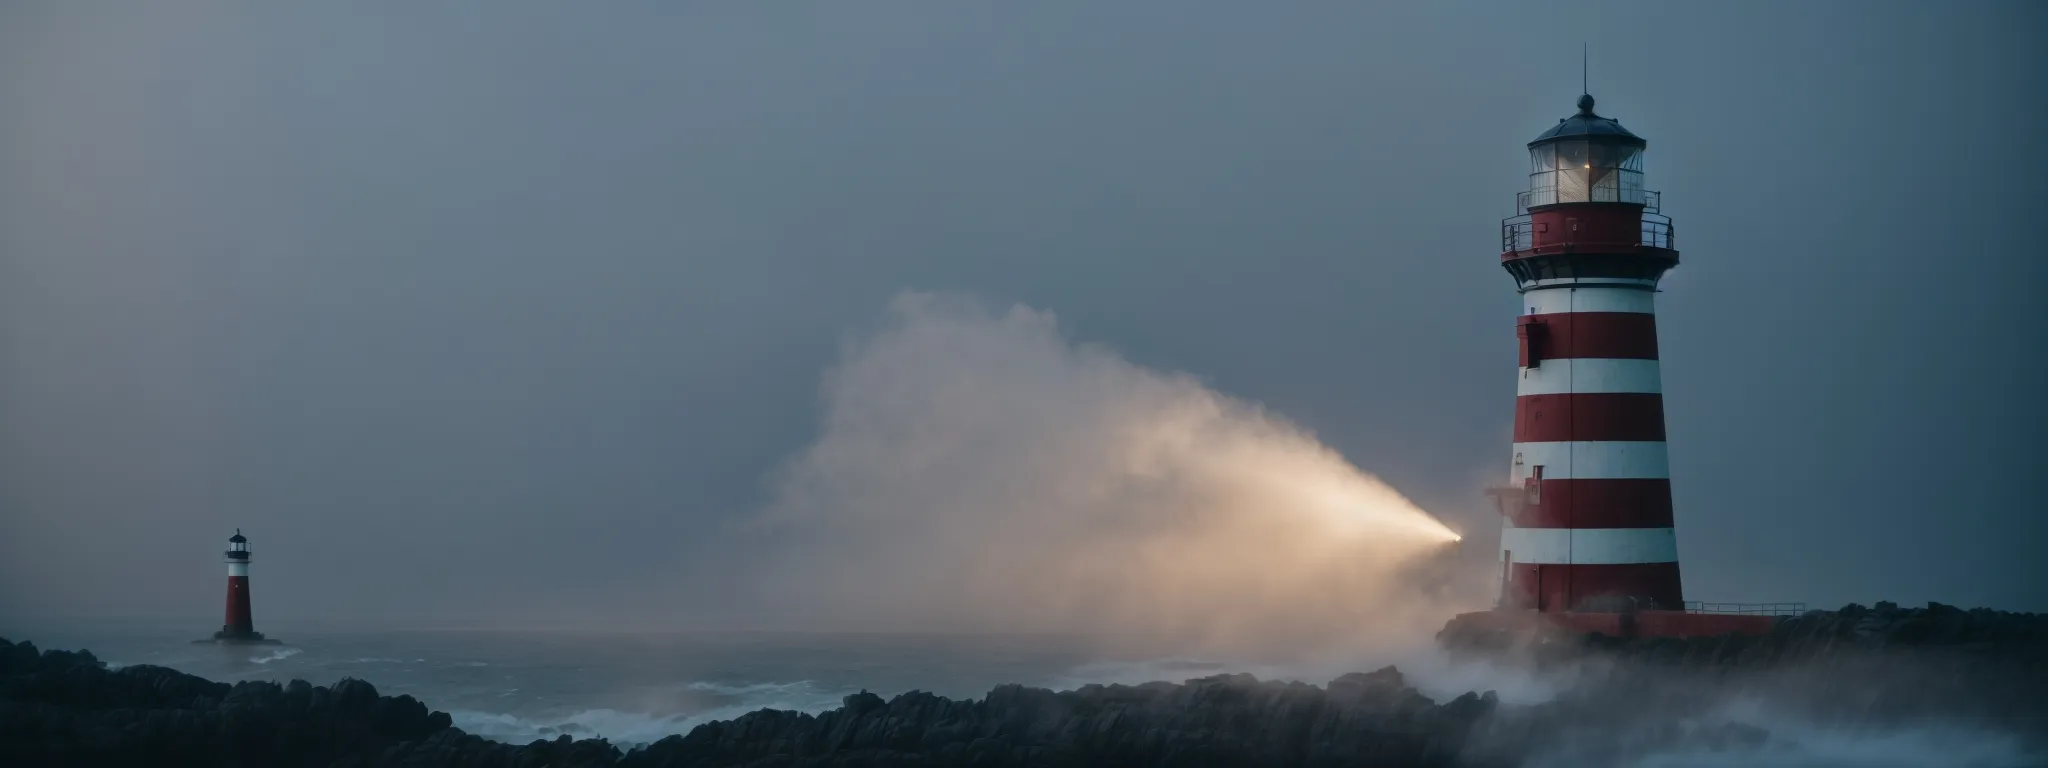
(1519, 233)
(1746, 609)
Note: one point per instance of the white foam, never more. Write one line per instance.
(1798, 742)
(1440, 677)
(619, 727)
(636, 728)
(281, 653)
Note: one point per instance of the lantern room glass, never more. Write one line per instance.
(1585, 172)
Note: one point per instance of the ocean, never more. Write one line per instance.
(517, 686)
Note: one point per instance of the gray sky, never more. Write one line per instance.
(494, 309)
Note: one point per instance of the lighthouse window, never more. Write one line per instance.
(1571, 185)
(1582, 171)
(1606, 185)
(1623, 156)
(1573, 155)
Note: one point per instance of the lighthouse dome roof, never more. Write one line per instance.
(237, 538)
(1587, 125)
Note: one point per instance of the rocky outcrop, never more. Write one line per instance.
(1618, 700)
(1226, 720)
(66, 708)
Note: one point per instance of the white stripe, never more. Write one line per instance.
(1550, 281)
(238, 569)
(1587, 298)
(1602, 460)
(1591, 375)
(1589, 546)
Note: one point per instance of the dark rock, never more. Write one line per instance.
(1628, 698)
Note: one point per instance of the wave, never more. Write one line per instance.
(800, 687)
(281, 653)
(1799, 742)
(620, 727)
(629, 729)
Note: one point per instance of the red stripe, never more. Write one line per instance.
(1625, 335)
(1571, 587)
(238, 620)
(1590, 227)
(1597, 504)
(1629, 416)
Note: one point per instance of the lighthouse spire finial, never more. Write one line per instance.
(1585, 87)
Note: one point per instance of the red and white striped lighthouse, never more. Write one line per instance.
(1588, 524)
(239, 625)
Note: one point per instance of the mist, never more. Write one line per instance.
(977, 471)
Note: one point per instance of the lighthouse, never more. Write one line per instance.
(1587, 521)
(1588, 541)
(240, 626)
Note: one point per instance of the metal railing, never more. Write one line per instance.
(1519, 233)
(1746, 609)
(1657, 232)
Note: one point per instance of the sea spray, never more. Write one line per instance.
(977, 471)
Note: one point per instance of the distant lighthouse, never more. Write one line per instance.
(240, 626)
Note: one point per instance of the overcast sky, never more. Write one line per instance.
(484, 309)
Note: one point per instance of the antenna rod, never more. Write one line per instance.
(1585, 57)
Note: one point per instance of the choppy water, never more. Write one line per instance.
(633, 688)
(638, 688)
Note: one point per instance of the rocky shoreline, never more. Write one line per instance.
(1876, 667)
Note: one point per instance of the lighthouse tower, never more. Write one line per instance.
(240, 626)
(1587, 514)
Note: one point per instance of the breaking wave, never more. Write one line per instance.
(277, 655)
(628, 729)
(1793, 742)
